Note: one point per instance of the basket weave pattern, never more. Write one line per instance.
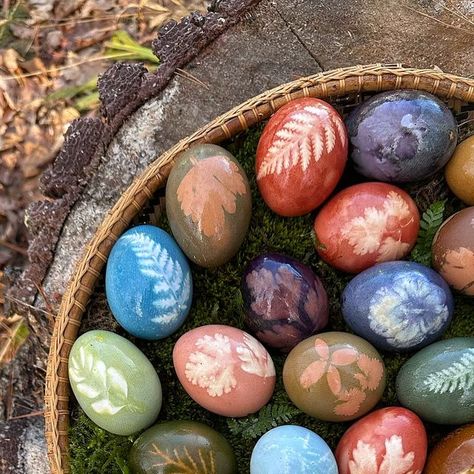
(332, 84)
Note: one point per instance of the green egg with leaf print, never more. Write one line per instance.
(114, 382)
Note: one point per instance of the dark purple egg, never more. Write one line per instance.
(285, 302)
(401, 136)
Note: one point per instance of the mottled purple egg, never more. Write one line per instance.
(401, 136)
(285, 302)
(398, 306)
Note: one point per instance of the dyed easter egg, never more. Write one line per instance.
(181, 446)
(284, 301)
(390, 440)
(334, 376)
(114, 383)
(301, 156)
(453, 454)
(436, 383)
(398, 306)
(148, 283)
(459, 171)
(453, 251)
(366, 224)
(401, 136)
(208, 204)
(291, 449)
(224, 369)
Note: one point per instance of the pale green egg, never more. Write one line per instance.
(114, 382)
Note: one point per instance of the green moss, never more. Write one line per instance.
(218, 300)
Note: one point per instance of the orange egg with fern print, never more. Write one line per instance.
(208, 204)
(301, 156)
(334, 376)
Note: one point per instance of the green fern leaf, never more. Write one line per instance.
(267, 418)
(430, 222)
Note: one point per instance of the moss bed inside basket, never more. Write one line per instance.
(217, 299)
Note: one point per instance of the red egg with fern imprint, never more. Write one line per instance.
(389, 440)
(301, 156)
(366, 224)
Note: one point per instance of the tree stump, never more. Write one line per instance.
(209, 64)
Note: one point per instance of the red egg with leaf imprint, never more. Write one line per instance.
(301, 156)
(390, 440)
(366, 224)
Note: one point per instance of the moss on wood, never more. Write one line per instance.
(218, 300)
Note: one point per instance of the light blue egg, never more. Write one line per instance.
(148, 283)
(398, 306)
(292, 449)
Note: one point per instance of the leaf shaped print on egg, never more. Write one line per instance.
(211, 366)
(458, 376)
(172, 286)
(304, 137)
(394, 461)
(209, 190)
(106, 386)
(255, 359)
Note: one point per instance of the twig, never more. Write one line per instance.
(27, 415)
(69, 66)
(46, 302)
(26, 305)
(459, 15)
(456, 27)
(73, 22)
(14, 247)
(188, 75)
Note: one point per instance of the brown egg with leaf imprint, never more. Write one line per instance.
(334, 376)
(208, 203)
(453, 251)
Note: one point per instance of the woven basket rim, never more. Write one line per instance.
(334, 83)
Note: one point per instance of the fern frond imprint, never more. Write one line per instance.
(458, 376)
(184, 462)
(304, 137)
(171, 287)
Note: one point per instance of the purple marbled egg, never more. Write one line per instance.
(401, 136)
(285, 302)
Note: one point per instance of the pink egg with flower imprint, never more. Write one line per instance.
(390, 440)
(224, 369)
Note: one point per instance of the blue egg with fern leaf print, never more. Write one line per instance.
(398, 306)
(291, 449)
(148, 283)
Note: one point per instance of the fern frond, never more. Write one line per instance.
(268, 417)
(431, 221)
(458, 376)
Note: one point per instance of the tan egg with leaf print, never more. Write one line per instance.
(334, 376)
(208, 203)
(453, 251)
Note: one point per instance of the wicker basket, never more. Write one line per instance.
(333, 84)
